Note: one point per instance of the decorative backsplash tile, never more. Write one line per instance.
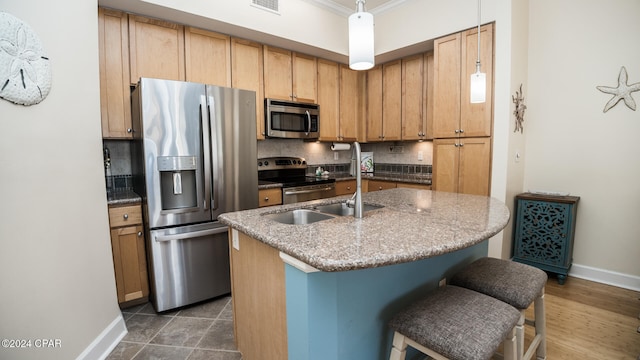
(119, 183)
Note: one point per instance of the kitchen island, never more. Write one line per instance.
(326, 290)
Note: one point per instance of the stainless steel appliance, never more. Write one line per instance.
(291, 172)
(193, 159)
(287, 119)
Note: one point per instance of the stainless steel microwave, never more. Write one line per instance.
(294, 120)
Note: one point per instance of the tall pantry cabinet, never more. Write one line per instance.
(462, 130)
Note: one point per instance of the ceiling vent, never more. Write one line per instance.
(270, 5)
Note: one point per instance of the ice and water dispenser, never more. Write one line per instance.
(178, 182)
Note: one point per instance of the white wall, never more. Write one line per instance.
(55, 258)
(574, 46)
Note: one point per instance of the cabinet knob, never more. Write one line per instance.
(125, 216)
(348, 187)
(461, 131)
(129, 130)
(139, 233)
(379, 187)
(266, 198)
(457, 131)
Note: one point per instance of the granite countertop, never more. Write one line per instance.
(123, 197)
(412, 225)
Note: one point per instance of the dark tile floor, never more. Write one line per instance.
(201, 331)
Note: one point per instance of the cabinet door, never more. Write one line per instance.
(130, 263)
(247, 73)
(305, 78)
(115, 106)
(392, 101)
(475, 119)
(346, 187)
(156, 49)
(207, 57)
(413, 121)
(329, 99)
(374, 104)
(277, 73)
(428, 94)
(475, 166)
(349, 104)
(445, 165)
(446, 86)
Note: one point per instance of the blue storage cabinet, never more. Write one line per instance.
(544, 232)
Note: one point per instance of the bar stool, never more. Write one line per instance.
(519, 285)
(455, 323)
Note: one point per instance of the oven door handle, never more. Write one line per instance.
(296, 192)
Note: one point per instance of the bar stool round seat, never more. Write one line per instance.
(455, 323)
(516, 284)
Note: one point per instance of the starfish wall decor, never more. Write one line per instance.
(622, 92)
(519, 110)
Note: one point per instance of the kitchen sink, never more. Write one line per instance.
(318, 213)
(299, 217)
(341, 209)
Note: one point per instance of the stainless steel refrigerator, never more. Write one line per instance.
(193, 158)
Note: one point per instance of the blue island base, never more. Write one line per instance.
(344, 315)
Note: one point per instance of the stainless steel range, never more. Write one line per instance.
(296, 185)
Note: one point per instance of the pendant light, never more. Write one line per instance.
(361, 56)
(478, 79)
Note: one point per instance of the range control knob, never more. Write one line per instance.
(259, 163)
(266, 163)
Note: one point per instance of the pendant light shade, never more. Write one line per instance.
(361, 54)
(478, 79)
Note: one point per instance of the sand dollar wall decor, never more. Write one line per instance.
(25, 73)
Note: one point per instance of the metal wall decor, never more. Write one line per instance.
(25, 73)
(621, 92)
(518, 99)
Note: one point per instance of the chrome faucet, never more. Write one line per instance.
(356, 200)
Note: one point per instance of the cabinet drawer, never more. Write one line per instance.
(376, 185)
(125, 216)
(269, 197)
(347, 187)
(414, 186)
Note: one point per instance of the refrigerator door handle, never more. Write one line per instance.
(204, 135)
(214, 153)
(189, 235)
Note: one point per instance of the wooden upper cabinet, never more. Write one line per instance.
(115, 106)
(329, 99)
(207, 57)
(413, 117)
(427, 93)
(156, 49)
(305, 78)
(349, 104)
(446, 97)
(277, 73)
(476, 119)
(392, 101)
(247, 73)
(289, 76)
(454, 62)
(374, 104)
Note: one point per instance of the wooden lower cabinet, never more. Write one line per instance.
(346, 187)
(269, 197)
(129, 255)
(259, 322)
(413, 186)
(462, 165)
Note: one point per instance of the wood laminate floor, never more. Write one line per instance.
(588, 320)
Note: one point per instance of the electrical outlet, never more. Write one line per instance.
(420, 156)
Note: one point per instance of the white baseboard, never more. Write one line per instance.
(608, 277)
(108, 339)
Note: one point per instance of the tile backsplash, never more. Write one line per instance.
(316, 154)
